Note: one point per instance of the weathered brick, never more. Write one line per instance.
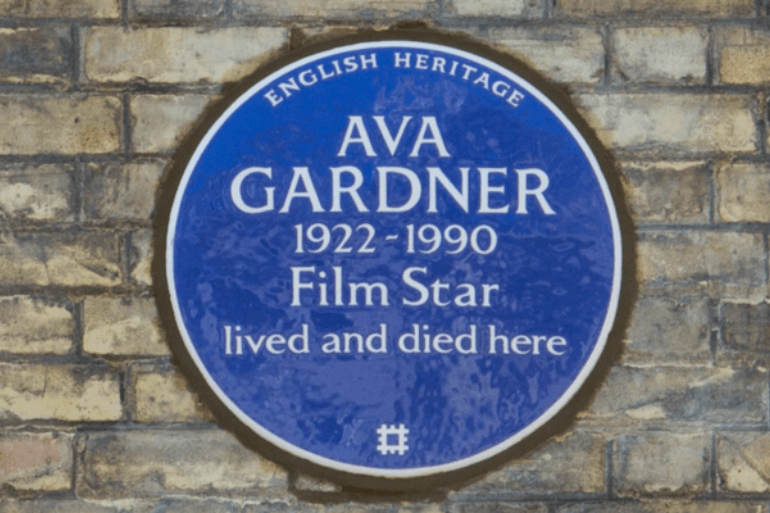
(159, 122)
(496, 507)
(164, 396)
(666, 506)
(121, 191)
(122, 326)
(304, 482)
(646, 8)
(743, 191)
(189, 505)
(665, 396)
(549, 469)
(29, 325)
(743, 462)
(36, 461)
(62, 506)
(58, 392)
(564, 54)
(61, 8)
(171, 505)
(140, 258)
(154, 463)
(675, 123)
(176, 8)
(66, 259)
(35, 55)
(66, 124)
(667, 192)
(726, 262)
(743, 55)
(667, 55)
(661, 463)
(177, 54)
(37, 193)
(506, 8)
(354, 9)
(746, 327)
(668, 330)
(349, 507)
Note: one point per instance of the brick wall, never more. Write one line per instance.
(95, 96)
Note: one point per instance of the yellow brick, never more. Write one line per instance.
(507, 8)
(177, 54)
(58, 392)
(678, 123)
(166, 397)
(335, 8)
(29, 325)
(728, 263)
(744, 55)
(37, 193)
(160, 122)
(35, 124)
(122, 326)
(660, 54)
(654, 7)
(61, 8)
(563, 54)
(162, 462)
(67, 259)
(743, 192)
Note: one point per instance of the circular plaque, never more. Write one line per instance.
(392, 258)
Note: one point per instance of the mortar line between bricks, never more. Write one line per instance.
(78, 200)
(711, 58)
(124, 13)
(713, 465)
(75, 56)
(78, 331)
(76, 445)
(609, 469)
(714, 328)
(767, 259)
(128, 241)
(127, 396)
(547, 9)
(764, 119)
(440, 11)
(711, 192)
(126, 126)
(767, 402)
(607, 43)
(253, 20)
(126, 254)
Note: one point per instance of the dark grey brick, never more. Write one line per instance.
(746, 327)
(176, 8)
(35, 54)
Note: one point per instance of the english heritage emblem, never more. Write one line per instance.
(392, 258)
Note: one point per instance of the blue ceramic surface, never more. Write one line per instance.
(344, 383)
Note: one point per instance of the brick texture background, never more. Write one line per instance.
(95, 96)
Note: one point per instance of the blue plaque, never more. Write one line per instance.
(392, 258)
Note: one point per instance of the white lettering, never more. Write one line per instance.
(537, 192)
(356, 123)
(429, 122)
(236, 194)
(414, 183)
